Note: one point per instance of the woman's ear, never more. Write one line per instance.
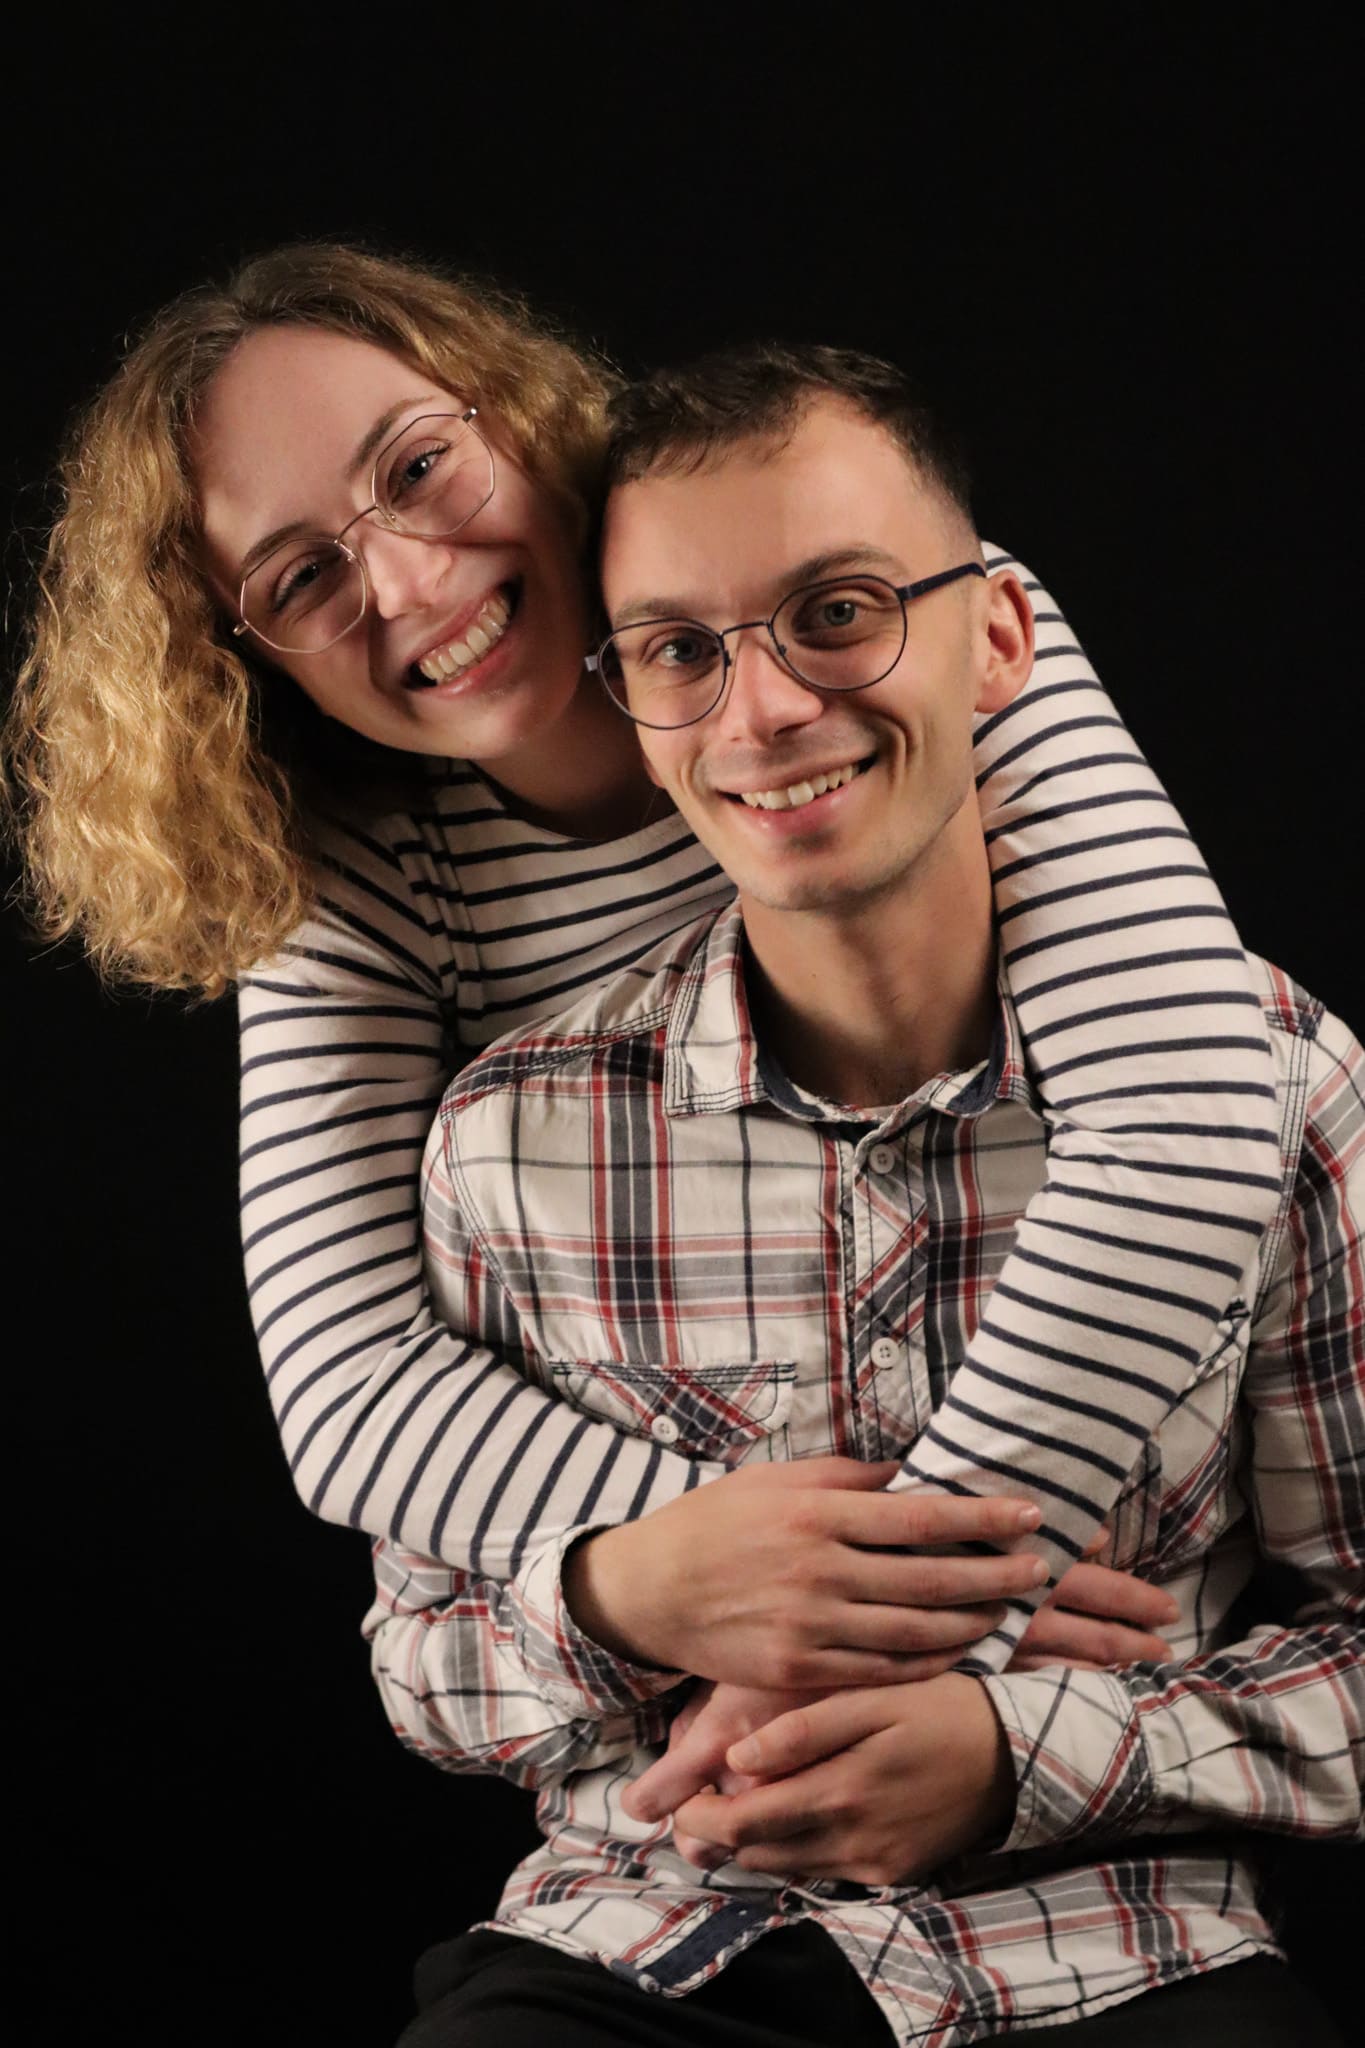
(1009, 641)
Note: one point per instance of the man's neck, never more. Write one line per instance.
(864, 1005)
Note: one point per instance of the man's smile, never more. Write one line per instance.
(796, 795)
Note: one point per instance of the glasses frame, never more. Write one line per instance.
(338, 540)
(906, 593)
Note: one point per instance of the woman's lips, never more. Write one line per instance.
(467, 653)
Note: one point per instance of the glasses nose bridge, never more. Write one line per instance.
(770, 645)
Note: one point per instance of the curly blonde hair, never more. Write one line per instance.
(163, 802)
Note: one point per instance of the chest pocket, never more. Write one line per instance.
(719, 1411)
(1181, 1493)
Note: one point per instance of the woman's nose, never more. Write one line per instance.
(403, 573)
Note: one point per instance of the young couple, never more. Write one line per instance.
(308, 709)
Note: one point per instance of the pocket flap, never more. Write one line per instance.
(717, 1410)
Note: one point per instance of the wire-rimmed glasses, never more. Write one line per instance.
(427, 482)
(844, 633)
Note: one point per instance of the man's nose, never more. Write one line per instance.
(764, 696)
(403, 573)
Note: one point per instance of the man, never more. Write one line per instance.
(678, 1202)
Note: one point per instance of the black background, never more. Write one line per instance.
(1118, 248)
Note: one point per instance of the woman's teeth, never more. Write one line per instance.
(798, 793)
(486, 631)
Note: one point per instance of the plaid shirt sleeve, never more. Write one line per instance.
(480, 1675)
(1267, 1733)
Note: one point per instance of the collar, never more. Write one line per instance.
(713, 1062)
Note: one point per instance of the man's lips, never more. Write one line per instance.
(793, 789)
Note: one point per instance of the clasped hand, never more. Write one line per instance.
(880, 1784)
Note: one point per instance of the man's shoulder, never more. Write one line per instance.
(1320, 1072)
(602, 1032)
(1299, 1021)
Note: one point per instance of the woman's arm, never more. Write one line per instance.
(391, 1423)
(1144, 1033)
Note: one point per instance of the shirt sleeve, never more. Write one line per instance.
(485, 1675)
(391, 1421)
(1268, 1733)
(1143, 1029)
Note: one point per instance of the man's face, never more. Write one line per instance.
(728, 543)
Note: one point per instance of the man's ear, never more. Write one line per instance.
(1009, 641)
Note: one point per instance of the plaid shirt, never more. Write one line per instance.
(667, 1233)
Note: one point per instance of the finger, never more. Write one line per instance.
(887, 1579)
(806, 1735)
(847, 1474)
(694, 1850)
(1022, 1661)
(821, 1670)
(770, 1814)
(904, 1631)
(921, 1517)
(799, 1856)
(1102, 1536)
(678, 1775)
(687, 1714)
(1116, 1596)
(1057, 1633)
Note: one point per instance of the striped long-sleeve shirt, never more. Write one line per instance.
(439, 930)
(791, 1283)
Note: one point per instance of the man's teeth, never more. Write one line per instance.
(487, 629)
(798, 793)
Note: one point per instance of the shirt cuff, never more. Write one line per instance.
(1081, 1764)
(569, 1670)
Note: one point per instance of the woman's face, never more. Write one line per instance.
(274, 446)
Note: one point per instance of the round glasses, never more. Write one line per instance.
(842, 634)
(427, 483)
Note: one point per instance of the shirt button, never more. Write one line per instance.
(885, 1351)
(882, 1158)
(664, 1429)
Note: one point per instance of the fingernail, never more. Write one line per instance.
(1029, 1517)
(744, 1756)
(1039, 1573)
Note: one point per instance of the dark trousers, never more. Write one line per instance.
(792, 1989)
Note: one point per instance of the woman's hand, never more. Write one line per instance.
(798, 1571)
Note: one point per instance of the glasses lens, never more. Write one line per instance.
(304, 596)
(844, 634)
(434, 477)
(665, 672)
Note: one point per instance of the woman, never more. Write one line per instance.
(420, 824)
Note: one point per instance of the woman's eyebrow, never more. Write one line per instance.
(370, 444)
(374, 440)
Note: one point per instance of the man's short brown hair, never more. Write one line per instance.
(678, 419)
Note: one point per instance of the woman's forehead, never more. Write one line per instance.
(279, 429)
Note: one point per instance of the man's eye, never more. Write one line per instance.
(677, 650)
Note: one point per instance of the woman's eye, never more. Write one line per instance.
(413, 470)
(297, 580)
(840, 611)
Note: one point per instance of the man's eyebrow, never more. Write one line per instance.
(814, 569)
(365, 452)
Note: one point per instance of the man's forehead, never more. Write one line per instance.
(753, 518)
